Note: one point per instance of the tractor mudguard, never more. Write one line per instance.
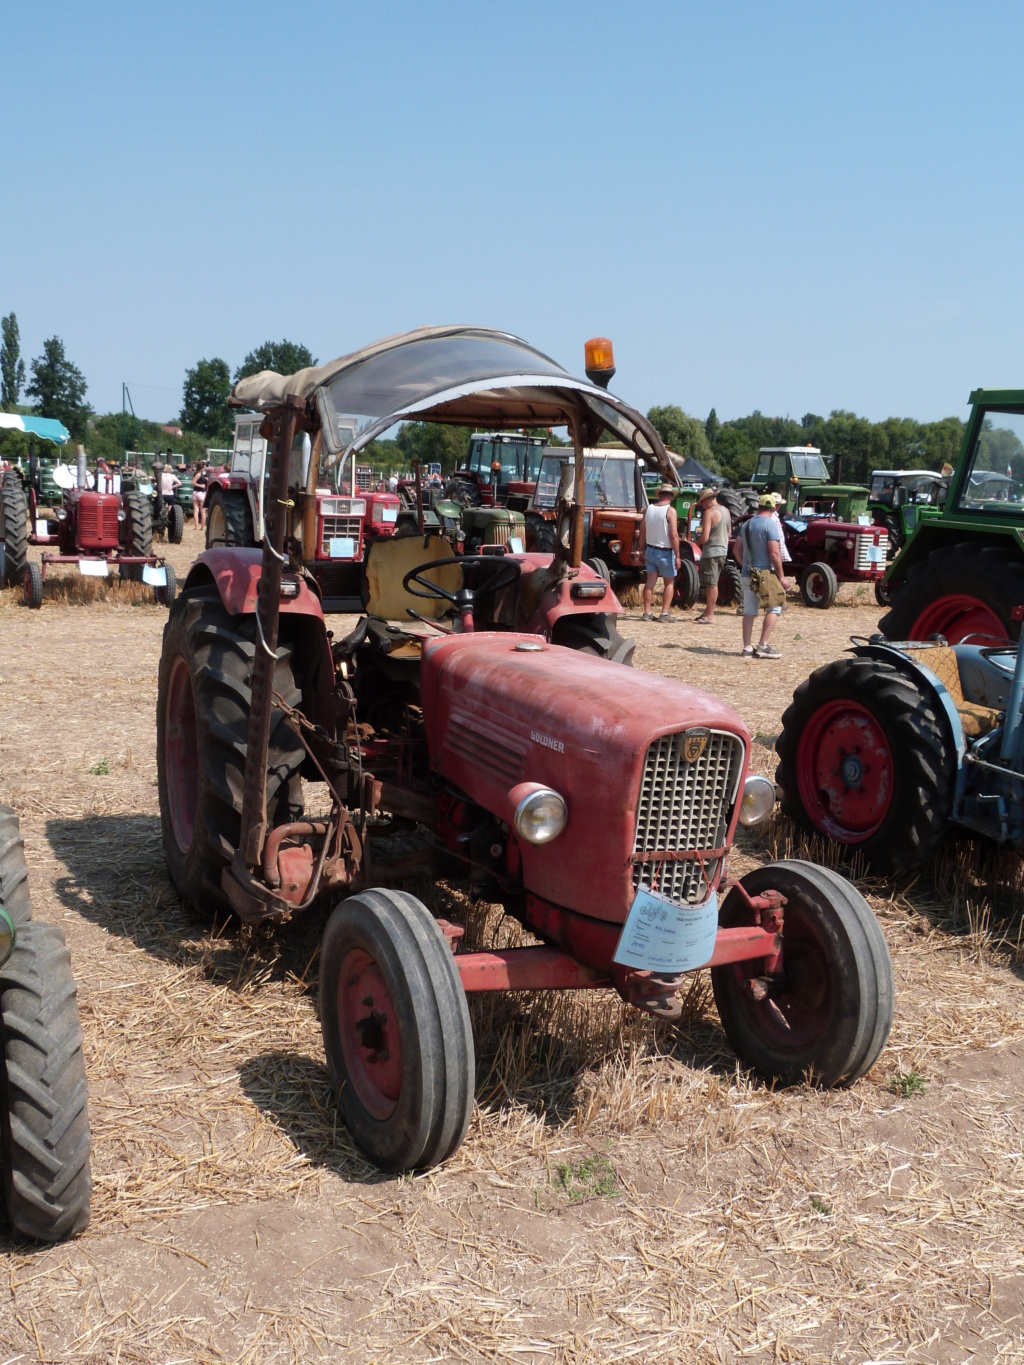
(543, 602)
(235, 572)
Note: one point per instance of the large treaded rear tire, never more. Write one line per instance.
(730, 585)
(138, 531)
(991, 575)
(540, 535)
(202, 729)
(13, 527)
(915, 781)
(44, 1122)
(14, 895)
(229, 519)
(594, 633)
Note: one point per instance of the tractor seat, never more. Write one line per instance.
(387, 603)
(976, 720)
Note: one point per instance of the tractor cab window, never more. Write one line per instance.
(480, 459)
(808, 467)
(994, 479)
(780, 466)
(883, 489)
(548, 476)
(764, 466)
(609, 482)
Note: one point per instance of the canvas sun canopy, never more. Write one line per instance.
(470, 376)
(46, 428)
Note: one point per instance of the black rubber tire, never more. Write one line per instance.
(462, 491)
(44, 1122)
(540, 535)
(883, 593)
(594, 633)
(993, 573)
(730, 585)
(894, 526)
(166, 595)
(435, 1095)
(137, 532)
(687, 584)
(833, 951)
(218, 650)
(924, 760)
(238, 528)
(815, 595)
(735, 503)
(175, 523)
(14, 895)
(32, 585)
(600, 568)
(13, 527)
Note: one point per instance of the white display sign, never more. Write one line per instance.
(42, 526)
(661, 936)
(93, 568)
(389, 514)
(515, 545)
(862, 520)
(876, 554)
(342, 547)
(155, 576)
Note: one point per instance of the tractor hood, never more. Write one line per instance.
(501, 711)
(471, 376)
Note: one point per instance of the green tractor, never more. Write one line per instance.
(960, 573)
(898, 498)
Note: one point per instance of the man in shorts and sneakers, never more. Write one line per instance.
(760, 546)
(715, 532)
(659, 541)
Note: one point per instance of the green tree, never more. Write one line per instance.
(856, 445)
(58, 388)
(286, 357)
(204, 402)
(682, 434)
(12, 367)
(433, 442)
(711, 427)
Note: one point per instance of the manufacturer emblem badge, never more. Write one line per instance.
(695, 741)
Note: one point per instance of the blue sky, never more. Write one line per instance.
(791, 207)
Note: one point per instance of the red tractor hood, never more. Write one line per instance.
(499, 715)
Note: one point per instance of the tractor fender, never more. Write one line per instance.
(925, 678)
(544, 600)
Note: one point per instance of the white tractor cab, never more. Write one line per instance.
(346, 519)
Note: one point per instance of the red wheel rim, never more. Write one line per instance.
(368, 1033)
(181, 755)
(802, 1006)
(845, 771)
(956, 616)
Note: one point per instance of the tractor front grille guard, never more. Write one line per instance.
(682, 814)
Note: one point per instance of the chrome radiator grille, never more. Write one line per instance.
(684, 807)
(862, 559)
(338, 528)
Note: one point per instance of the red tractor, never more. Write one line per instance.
(826, 552)
(596, 805)
(94, 529)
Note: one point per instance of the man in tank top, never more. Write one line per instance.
(715, 530)
(659, 540)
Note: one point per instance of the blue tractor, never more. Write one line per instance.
(888, 748)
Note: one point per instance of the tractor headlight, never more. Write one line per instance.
(7, 936)
(541, 816)
(61, 514)
(758, 800)
(121, 514)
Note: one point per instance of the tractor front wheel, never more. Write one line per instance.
(593, 633)
(600, 568)
(229, 519)
(175, 523)
(202, 721)
(865, 760)
(13, 526)
(825, 1015)
(396, 1030)
(32, 585)
(165, 595)
(730, 585)
(964, 592)
(137, 531)
(819, 585)
(687, 588)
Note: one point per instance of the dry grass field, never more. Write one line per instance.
(626, 1190)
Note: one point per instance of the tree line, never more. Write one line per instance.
(729, 449)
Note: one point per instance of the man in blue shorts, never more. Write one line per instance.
(659, 540)
(760, 544)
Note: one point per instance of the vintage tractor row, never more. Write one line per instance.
(960, 573)
(44, 1123)
(596, 805)
(94, 529)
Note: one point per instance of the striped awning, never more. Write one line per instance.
(46, 428)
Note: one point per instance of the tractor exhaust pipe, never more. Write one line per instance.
(82, 478)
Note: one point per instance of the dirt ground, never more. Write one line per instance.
(625, 1191)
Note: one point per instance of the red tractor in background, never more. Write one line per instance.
(94, 529)
(596, 805)
(339, 522)
(500, 470)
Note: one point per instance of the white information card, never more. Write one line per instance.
(661, 936)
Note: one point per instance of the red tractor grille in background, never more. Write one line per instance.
(339, 528)
(684, 806)
(865, 543)
(97, 522)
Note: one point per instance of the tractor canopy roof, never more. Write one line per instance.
(470, 376)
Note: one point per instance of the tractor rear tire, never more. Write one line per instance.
(138, 531)
(819, 586)
(32, 585)
(229, 519)
(540, 535)
(13, 527)
(734, 503)
(203, 699)
(396, 1030)
(14, 895)
(687, 585)
(44, 1121)
(867, 762)
(730, 585)
(959, 591)
(828, 1018)
(175, 523)
(594, 633)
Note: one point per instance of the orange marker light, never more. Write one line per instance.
(599, 360)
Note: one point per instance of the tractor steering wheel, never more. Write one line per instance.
(505, 572)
